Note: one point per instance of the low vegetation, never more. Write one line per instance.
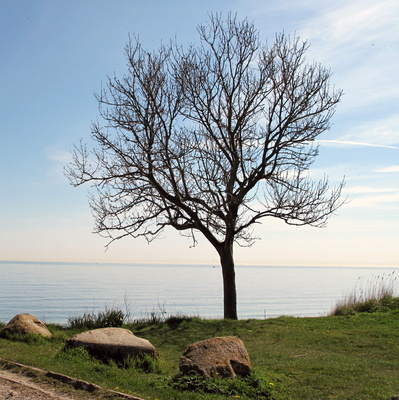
(370, 296)
(333, 357)
(111, 317)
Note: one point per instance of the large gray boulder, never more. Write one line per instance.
(24, 324)
(226, 357)
(112, 343)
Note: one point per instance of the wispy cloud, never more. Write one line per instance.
(343, 25)
(54, 153)
(58, 158)
(390, 200)
(350, 143)
(357, 39)
(370, 189)
(393, 168)
(373, 196)
(381, 132)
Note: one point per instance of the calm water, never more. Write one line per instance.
(53, 292)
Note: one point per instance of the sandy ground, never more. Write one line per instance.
(19, 387)
(15, 385)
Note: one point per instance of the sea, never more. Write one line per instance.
(55, 292)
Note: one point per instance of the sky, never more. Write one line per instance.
(56, 53)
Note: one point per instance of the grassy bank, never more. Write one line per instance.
(333, 357)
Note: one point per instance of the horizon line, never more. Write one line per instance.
(182, 263)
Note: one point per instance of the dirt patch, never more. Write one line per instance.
(18, 387)
(21, 382)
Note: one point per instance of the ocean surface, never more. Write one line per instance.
(54, 292)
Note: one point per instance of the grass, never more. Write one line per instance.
(376, 294)
(111, 317)
(332, 357)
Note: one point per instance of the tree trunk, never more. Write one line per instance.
(229, 282)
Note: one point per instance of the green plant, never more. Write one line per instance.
(374, 295)
(31, 338)
(109, 318)
(144, 363)
(174, 321)
(75, 354)
(160, 316)
(87, 320)
(327, 357)
(250, 386)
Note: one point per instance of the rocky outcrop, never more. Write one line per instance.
(24, 324)
(220, 356)
(112, 343)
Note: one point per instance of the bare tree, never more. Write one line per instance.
(210, 139)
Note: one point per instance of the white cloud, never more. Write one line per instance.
(347, 142)
(387, 200)
(373, 197)
(358, 40)
(57, 160)
(56, 154)
(393, 168)
(350, 27)
(381, 132)
(369, 189)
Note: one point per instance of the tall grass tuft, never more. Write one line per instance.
(111, 317)
(373, 295)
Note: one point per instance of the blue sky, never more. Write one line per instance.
(56, 53)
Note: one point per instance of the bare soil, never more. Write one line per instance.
(19, 387)
(21, 382)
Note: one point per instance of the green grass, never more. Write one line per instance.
(374, 295)
(111, 317)
(332, 357)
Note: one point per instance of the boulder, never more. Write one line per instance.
(26, 323)
(112, 343)
(226, 357)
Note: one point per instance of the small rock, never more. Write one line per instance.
(112, 343)
(220, 356)
(26, 323)
(396, 397)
